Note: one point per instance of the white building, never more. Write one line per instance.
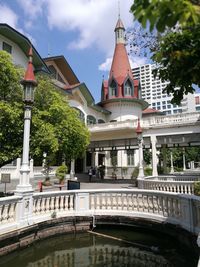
(152, 92)
(113, 123)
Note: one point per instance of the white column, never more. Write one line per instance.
(24, 182)
(171, 160)
(140, 147)
(72, 169)
(96, 159)
(164, 159)
(24, 188)
(154, 156)
(184, 165)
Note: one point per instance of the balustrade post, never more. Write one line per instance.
(82, 202)
(186, 206)
(24, 210)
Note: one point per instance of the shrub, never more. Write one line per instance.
(135, 172)
(61, 172)
(197, 188)
(148, 171)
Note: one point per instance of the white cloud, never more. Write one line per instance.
(8, 16)
(93, 20)
(134, 62)
(32, 8)
(106, 65)
(137, 61)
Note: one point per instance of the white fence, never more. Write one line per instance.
(182, 210)
(14, 170)
(177, 184)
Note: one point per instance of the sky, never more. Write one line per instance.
(80, 30)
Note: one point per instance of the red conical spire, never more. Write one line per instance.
(29, 75)
(138, 129)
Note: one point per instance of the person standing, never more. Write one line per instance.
(90, 174)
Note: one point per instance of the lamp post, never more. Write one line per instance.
(29, 83)
(24, 188)
(140, 146)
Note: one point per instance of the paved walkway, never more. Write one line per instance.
(96, 183)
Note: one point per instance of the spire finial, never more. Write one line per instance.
(119, 9)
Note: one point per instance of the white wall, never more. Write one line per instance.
(122, 111)
(19, 58)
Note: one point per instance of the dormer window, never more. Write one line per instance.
(55, 74)
(113, 88)
(128, 88)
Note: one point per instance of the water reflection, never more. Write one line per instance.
(84, 250)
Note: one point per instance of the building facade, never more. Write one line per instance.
(152, 92)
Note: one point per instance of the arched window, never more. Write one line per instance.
(128, 88)
(91, 120)
(113, 88)
(81, 115)
(101, 121)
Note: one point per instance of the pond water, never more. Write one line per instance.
(106, 247)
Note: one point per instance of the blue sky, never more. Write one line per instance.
(81, 30)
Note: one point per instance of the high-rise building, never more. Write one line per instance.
(152, 91)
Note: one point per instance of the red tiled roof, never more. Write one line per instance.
(150, 110)
(120, 65)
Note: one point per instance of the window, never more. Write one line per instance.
(53, 71)
(81, 115)
(128, 88)
(6, 47)
(113, 88)
(91, 120)
(101, 121)
(60, 78)
(113, 157)
(130, 157)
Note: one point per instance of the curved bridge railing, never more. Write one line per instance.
(177, 184)
(182, 210)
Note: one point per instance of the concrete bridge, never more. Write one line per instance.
(36, 211)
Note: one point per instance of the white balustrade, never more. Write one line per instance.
(182, 210)
(156, 121)
(49, 202)
(181, 186)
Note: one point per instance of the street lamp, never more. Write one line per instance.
(140, 146)
(29, 83)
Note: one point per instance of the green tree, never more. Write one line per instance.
(56, 128)
(11, 113)
(177, 51)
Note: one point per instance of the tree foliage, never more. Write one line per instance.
(56, 128)
(178, 50)
(166, 13)
(11, 112)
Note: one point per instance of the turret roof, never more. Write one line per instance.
(119, 25)
(120, 68)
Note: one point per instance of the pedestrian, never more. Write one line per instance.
(90, 174)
